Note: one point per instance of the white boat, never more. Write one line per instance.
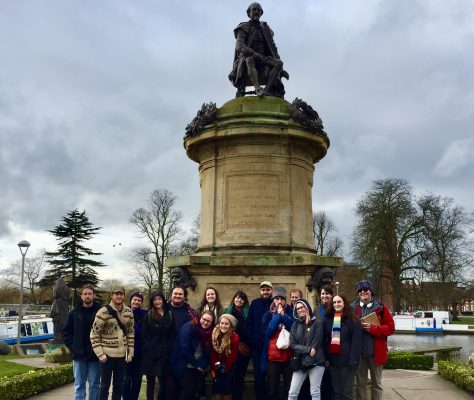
(33, 328)
(422, 322)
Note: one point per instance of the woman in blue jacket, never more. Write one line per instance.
(195, 352)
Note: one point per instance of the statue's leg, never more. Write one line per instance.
(277, 67)
(253, 75)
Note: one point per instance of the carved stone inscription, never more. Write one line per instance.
(253, 202)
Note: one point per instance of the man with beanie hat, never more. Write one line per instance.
(133, 374)
(374, 340)
(254, 333)
(276, 361)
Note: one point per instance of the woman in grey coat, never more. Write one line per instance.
(306, 339)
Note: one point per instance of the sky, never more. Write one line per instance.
(95, 97)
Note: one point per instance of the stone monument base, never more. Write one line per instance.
(229, 273)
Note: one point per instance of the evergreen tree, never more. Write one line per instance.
(69, 261)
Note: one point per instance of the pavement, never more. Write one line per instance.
(398, 384)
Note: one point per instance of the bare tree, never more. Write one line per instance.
(446, 248)
(324, 231)
(145, 270)
(160, 225)
(34, 268)
(189, 245)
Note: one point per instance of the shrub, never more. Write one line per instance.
(58, 355)
(22, 386)
(405, 360)
(460, 373)
(4, 349)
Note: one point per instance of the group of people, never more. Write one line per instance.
(316, 354)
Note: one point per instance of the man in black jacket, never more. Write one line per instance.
(76, 337)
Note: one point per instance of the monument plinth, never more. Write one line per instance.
(256, 167)
(256, 170)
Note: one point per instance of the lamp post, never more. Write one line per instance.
(23, 245)
(337, 287)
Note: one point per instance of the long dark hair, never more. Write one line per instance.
(153, 310)
(347, 311)
(217, 303)
(243, 296)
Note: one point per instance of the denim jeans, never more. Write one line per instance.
(86, 371)
(315, 377)
(115, 366)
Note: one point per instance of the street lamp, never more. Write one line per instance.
(337, 287)
(23, 245)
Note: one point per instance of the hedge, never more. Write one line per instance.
(405, 360)
(460, 373)
(25, 385)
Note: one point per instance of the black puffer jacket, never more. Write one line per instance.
(351, 337)
(305, 337)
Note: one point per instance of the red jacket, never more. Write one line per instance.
(227, 360)
(380, 333)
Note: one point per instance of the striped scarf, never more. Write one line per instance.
(335, 346)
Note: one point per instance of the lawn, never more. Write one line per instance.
(9, 368)
(465, 320)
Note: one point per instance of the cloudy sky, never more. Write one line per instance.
(95, 96)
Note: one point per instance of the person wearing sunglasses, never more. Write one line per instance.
(374, 340)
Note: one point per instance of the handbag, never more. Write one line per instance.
(295, 363)
(283, 341)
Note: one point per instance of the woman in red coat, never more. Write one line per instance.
(225, 349)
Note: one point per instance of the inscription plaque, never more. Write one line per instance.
(253, 202)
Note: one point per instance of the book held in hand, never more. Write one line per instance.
(371, 319)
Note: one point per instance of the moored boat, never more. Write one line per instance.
(34, 328)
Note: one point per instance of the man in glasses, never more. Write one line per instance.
(374, 340)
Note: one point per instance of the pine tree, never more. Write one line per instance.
(69, 261)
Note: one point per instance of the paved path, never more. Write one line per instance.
(399, 384)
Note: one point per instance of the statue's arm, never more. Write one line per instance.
(240, 45)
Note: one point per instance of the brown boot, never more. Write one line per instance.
(227, 397)
(217, 397)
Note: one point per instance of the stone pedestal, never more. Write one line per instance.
(256, 167)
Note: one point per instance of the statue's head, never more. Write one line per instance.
(255, 11)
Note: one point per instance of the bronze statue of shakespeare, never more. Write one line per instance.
(256, 60)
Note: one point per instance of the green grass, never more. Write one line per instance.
(8, 368)
(465, 320)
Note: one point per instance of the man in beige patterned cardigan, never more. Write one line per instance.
(113, 343)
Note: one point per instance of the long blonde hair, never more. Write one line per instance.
(221, 341)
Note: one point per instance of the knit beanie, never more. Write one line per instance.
(136, 294)
(279, 292)
(230, 318)
(365, 284)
